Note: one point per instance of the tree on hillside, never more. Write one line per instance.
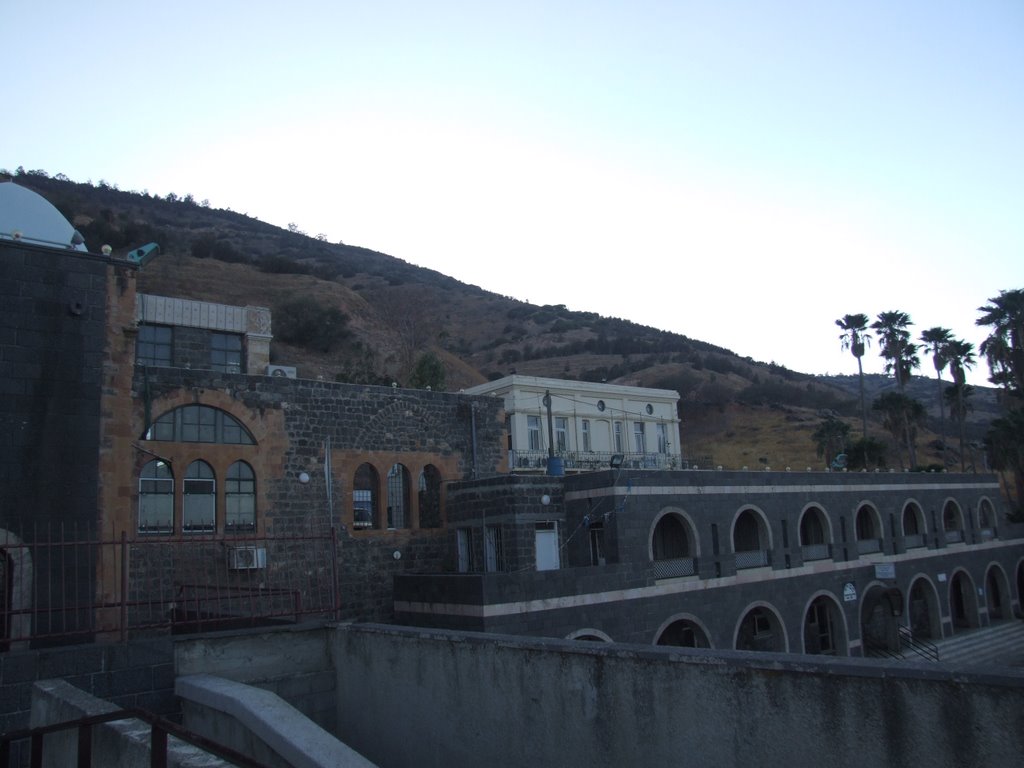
(830, 438)
(1004, 351)
(900, 356)
(855, 337)
(936, 339)
(901, 416)
(428, 373)
(960, 356)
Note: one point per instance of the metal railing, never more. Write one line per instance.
(954, 537)
(811, 552)
(70, 585)
(868, 546)
(159, 730)
(752, 559)
(585, 461)
(670, 569)
(913, 541)
(922, 648)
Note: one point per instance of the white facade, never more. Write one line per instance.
(589, 423)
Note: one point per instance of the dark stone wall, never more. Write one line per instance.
(53, 335)
(359, 420)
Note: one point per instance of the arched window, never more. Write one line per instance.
(869, 535)
(430, 497)
(199, 508)
(914, 529)
(199, 424)
(814, 537)
(398, 497)
(952, 522)
(156, 498)
(239, 499)
(760, 630)
(670, 541)
(750, 541)
(365, 488)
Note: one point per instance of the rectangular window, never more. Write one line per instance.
(154, 345)
(198, 424)
(533, 432)
(585, 434)
(464, 538)
(561, 433)
(226, 352)
(662, 438)
(494, 557)
(639, 441)
(618, 436)
(156, 505)
(597, 544)
(199, 506)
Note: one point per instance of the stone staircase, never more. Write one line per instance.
(1001, 644)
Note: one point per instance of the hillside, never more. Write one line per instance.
(347, 313)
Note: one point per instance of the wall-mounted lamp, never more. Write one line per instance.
(545, 499)
(303, 477)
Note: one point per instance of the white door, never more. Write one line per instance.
(546, 543)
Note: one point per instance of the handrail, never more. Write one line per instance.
(922, 648)
(159, 729)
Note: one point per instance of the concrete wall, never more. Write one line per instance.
(411, 697)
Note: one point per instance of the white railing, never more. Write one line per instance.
(954, 537)
(583, 461)
(913, 541)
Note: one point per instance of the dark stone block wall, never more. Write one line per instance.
(52, 346)
(459, 431)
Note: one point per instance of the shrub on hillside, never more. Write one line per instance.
(305, 322)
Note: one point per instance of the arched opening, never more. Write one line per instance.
(398, 497)
(365, 498)
(199, 506)
(925, 618)
(670, 539)
(430, 497)
(914, 529)
(15, 592)
(750, 540)
(589, 635)
(868, 530)
(879, 621)
(997, 594)
(683, 633)
(952, 522)
(760, 630)
(823, 628)
(814, 535)
(963, 601)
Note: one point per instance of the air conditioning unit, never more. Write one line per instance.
(247, 558)
(281, 371)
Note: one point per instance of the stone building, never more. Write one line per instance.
(805, 562)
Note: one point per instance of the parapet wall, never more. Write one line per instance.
(415, 697)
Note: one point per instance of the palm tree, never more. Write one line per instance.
(830, 438)
(900, 359)
(1005, 450)
(1004, 347)
(855, 337)
(936, 338)
(960, 356)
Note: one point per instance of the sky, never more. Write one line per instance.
(743, 173)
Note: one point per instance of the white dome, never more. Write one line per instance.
(32, 217)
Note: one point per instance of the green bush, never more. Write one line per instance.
(305, 322)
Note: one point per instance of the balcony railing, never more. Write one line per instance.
(816, 552)
(584, 461)
(671, 569)
(913, 541)
(752, 559)
(868, 546)
(987, 534)
(954, 537)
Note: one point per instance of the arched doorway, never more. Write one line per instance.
(751, 540)
(963, 601)
(879, 621)
(924, 616)
(761, 630)
(673, 547)
(815, 536)
(683, 633)
(997, 594)
(823, 628)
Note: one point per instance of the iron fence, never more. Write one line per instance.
(58, 585)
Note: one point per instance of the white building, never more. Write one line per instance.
(587, 424)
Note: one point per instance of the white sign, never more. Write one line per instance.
(849, 592)
(885, 570)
